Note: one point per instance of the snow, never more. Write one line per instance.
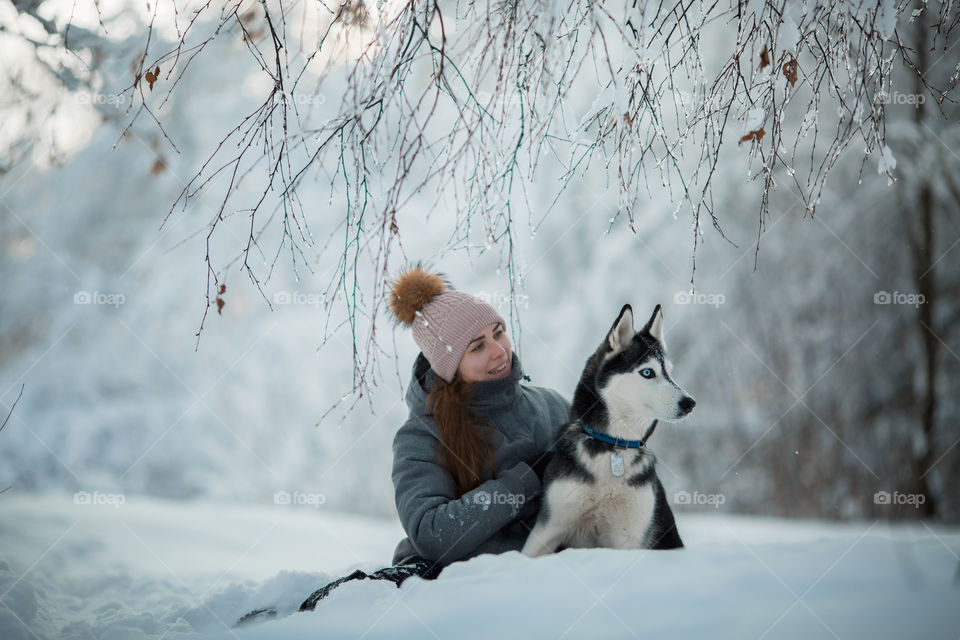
(887, 18)
(149, 569)
(754, 119)
(887, 162)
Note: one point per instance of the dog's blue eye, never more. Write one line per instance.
(647, 373)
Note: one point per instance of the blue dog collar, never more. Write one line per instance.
(617, 442)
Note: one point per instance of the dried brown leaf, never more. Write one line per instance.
(755, 136)
(220, 301)
(152, 76)
(790, 71)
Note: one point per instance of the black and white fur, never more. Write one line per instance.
(625, 387)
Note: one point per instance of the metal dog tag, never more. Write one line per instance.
(616, 464)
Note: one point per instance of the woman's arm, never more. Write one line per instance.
(442, 527)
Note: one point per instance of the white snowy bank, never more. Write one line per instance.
(155, 569)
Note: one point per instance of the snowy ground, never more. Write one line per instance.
(154, 569)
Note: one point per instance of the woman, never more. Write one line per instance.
(468, 462)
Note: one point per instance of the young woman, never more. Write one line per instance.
(468, 462)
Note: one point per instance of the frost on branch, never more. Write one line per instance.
(464, 103)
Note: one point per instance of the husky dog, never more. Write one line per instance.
(601, 488)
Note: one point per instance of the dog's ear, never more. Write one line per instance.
(621, 333)
(654, 326)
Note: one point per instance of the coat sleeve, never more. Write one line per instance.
(442, 527)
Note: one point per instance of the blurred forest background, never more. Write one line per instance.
(822, 349)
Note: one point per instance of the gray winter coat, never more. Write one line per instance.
(497, 515)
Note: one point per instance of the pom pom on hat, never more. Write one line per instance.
(412, 291)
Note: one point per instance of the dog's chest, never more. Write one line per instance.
(628, 499)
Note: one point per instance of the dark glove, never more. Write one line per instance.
(539, 465)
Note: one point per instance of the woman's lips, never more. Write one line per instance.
(498, 369)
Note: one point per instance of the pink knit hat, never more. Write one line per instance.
(444, 321)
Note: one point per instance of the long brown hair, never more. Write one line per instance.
(464, 447)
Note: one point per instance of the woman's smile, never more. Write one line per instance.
(503, 367)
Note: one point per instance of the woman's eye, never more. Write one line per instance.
(647, 373)
(478, 347)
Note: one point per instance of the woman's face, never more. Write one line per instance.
(488, 355)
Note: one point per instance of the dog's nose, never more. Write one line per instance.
(687, 404)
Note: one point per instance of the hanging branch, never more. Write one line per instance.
(467, 100)
(7, 419)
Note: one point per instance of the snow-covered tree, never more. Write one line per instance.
(468, 100)
(838, 373)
